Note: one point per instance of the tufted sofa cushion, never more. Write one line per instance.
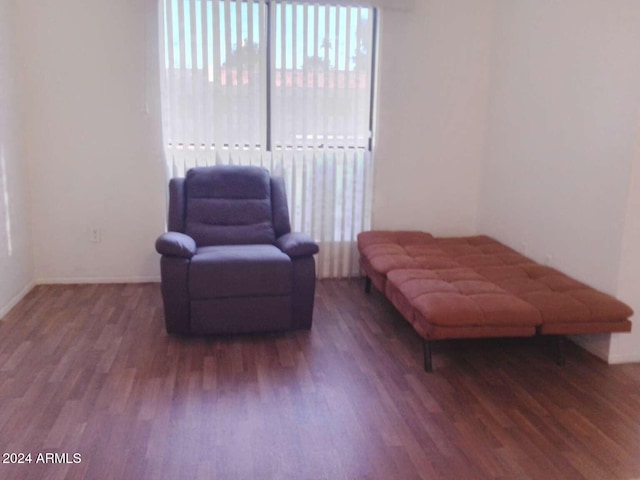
(476, 286)
(228, 206)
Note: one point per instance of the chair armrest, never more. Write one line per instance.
(176, 244)
(297, 245)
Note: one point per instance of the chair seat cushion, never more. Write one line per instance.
(239, 270)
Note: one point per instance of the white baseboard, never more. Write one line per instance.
(83, 280)
(624, 358)
(597, 345)
(16, 298)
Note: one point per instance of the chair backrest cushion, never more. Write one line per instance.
(280, 209)
(228, 205)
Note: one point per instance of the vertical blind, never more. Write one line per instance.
(284, 85)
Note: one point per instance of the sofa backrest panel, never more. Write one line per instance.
(175, 217)
(228, 205)
(281, 223)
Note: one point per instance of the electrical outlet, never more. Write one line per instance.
(548, 258)
(95, 235)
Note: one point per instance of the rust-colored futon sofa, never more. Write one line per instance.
(473, 287)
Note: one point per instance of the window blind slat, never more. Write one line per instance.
(346, 79)
(225, 53)
(218, 131)
(204, 95)
(239, 123)
(193, 125)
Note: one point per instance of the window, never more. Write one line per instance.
(285, 85)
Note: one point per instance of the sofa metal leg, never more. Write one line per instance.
(367, 284)
(426, 351)
(559, 346)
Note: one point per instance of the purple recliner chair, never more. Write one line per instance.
(230, 263)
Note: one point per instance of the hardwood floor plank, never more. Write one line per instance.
(89, 369)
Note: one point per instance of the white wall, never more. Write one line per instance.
(16, 266)
(562, 135)
(626, 347)
(95, 154)
(433, 83)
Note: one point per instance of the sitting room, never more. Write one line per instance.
(230, 232)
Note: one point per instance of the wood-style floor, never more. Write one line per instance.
(90, 370)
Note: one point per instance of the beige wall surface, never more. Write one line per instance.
(432, 94)
(562, 135)
(94, 144)
(626, 348)
(16, 266)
